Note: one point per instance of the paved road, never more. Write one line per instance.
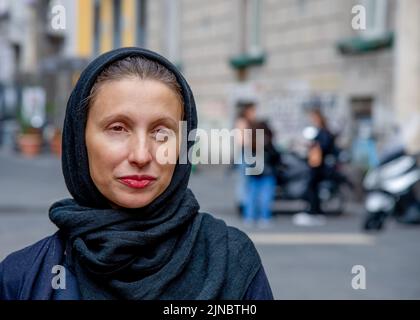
(314, 263)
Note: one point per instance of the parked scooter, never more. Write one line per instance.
(390, 191)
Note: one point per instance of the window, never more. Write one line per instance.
(250, 29)
(117, 23)
(141, 23)
(363, 145)
(96, 27)
(375, 35)
(376, 12)
(172, 45)
(248, 44)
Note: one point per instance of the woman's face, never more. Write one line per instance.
(129, 123)
(251, 113)
(315, 119)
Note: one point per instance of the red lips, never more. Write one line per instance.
(136, 181)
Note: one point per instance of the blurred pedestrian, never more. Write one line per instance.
(246, 116)
(260, 188)
(132, 230)
(321, 146)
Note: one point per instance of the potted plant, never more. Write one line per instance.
(29, 139)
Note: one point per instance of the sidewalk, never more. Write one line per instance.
(301, 263)
(30, 185)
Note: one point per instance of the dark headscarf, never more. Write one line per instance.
(165, 250)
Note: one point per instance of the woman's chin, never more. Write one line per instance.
(132, 202)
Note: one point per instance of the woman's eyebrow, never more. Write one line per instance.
(166, 119)
(117, 116)
(124, 117)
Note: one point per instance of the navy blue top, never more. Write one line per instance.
(27, 275)
(326, 142)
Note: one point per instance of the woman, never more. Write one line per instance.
(133, 229)
(246, 117)
(261, 188)
(323, 145)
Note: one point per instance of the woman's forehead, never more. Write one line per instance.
(136, 98)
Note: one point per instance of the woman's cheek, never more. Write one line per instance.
(114, 142)
(107, 153)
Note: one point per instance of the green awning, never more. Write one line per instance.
(246, 60)
(359, 44)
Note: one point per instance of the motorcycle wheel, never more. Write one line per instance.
(374, 221)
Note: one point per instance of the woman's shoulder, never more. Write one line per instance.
(14, 269)
(26, 255)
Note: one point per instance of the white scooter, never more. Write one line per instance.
(390, 191)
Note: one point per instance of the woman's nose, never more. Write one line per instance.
(140, 151)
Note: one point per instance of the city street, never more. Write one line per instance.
(301, 263)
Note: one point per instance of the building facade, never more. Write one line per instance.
(354, 56)
(282, 53)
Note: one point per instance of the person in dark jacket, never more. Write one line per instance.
(132, 229)
(261, 187)
(322, 146)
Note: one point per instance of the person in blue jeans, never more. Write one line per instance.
(261, 188)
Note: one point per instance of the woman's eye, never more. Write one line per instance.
(162, 135)
(117, 128)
